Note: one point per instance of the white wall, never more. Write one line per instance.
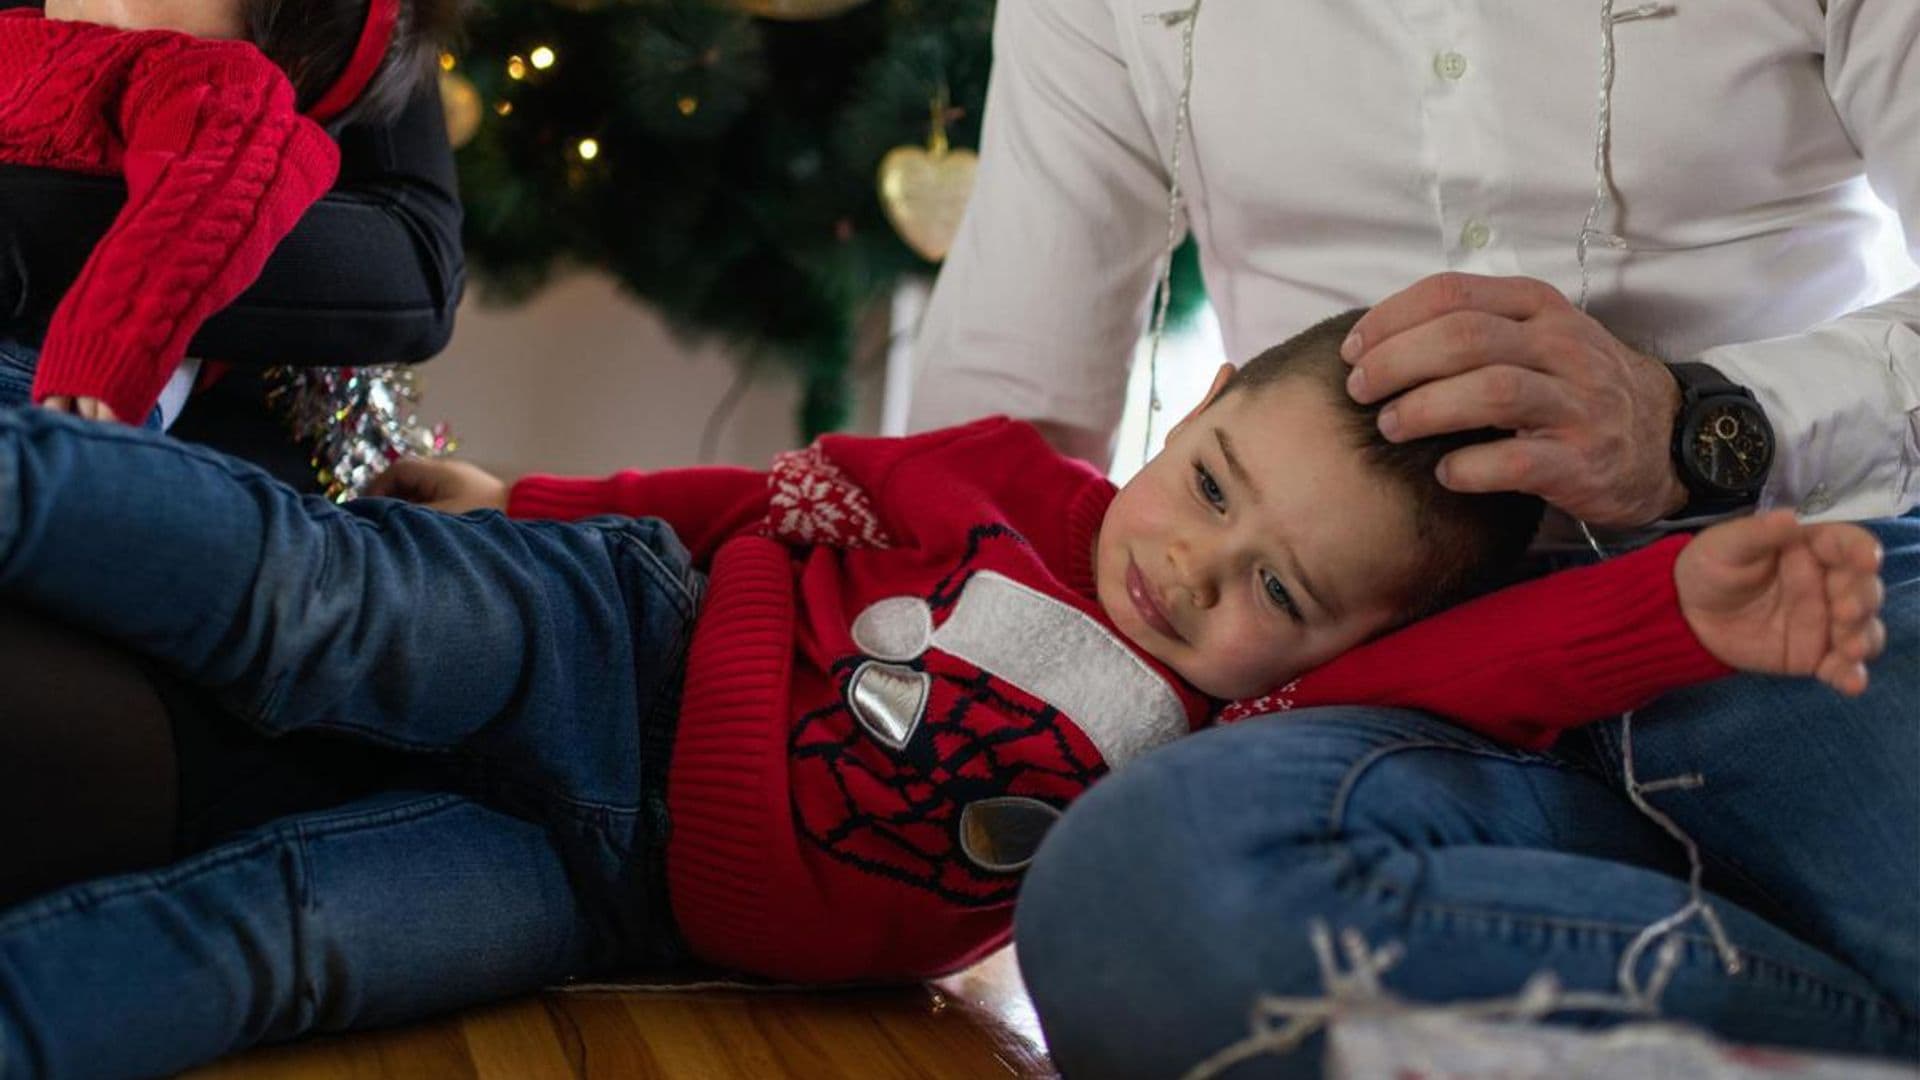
(583, 379)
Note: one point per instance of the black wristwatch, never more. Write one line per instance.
(1722, 443)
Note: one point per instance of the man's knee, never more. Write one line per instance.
(1179, 890)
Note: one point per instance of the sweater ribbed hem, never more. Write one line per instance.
(558, 498)
(124, 374)
(1084, 515)
(727, 790)
(1641, 645)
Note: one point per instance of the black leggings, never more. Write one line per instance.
(109, 765)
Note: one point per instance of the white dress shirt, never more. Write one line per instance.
(1342, 149)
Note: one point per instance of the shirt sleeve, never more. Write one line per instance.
(706, 505)
(1524, 663)
(218, 167)
(1043, 297)
(1844, 397)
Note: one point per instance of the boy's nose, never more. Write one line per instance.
(1191, 571)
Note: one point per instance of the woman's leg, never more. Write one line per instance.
(388, 909)
(1179, 891)
(86, 759)
(535, 646)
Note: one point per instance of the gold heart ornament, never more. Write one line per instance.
(924, 193)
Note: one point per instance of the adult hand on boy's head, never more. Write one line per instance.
(1593, 417)
(452, 487)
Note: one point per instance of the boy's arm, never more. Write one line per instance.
(219, 166)
(1524, 663)
(706, 505)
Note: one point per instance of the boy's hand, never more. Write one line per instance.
(451, 487)
(1767, 594)
(91, 408)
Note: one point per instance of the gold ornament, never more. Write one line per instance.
(924, 191)
(463, 107)
(797, 10)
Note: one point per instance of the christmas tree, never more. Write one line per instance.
(725, 161)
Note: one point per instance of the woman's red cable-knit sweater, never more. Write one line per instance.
(901, 673)
(218, 165)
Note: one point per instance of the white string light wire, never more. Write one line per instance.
(1186, 19)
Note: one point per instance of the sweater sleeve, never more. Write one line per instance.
(372, 273)
(1525, 663)
(706, 506)
(219, 166)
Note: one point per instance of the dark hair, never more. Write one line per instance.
(312, 41)
(1468, 542)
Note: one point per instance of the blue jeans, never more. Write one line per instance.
(18, 361)
(1180, 890)
(533, 669)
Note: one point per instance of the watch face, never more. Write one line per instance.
(1729, 445)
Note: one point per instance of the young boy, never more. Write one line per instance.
(211, 111)
(810, 723)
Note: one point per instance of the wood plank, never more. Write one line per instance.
(970, 1026)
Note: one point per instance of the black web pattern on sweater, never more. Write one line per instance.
(979, 739)
(898, 812)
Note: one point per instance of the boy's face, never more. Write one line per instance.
(1257, 545)
(201, 18)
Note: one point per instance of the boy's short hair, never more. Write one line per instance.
(312, 41)
(1469, 542)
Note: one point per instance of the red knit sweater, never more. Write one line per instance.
(218, 166)
(901, 673)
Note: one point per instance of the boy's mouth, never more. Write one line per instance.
(1144, 602)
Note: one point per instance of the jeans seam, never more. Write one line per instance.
(684, 601)
(1336, 812)
(323, 824)
(1624, 932)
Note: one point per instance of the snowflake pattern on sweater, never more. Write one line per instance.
(811, 501)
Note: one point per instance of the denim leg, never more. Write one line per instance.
(388, 909)
(17, 364)
(536, 646)
(1811, 798)
(1182, 888)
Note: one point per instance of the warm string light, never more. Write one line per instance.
(542, 57)
(516, 68)
(588, 149)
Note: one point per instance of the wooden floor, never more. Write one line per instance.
(971, 1026)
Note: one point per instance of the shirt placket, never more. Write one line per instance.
(1460, 128)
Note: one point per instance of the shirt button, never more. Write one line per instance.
(1818, 501)
(1475, 235)
(1449, 65)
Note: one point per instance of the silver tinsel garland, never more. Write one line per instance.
(355, 421)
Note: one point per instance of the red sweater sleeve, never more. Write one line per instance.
(1523, 664)
(706, 506)
(219, 166)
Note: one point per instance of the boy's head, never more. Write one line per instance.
(316, 42)
(1278, 528)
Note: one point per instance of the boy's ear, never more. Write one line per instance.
(1219, 383)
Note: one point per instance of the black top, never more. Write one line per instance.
(371, 274)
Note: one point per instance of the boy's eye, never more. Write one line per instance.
(1209, 488)
(1280, 597)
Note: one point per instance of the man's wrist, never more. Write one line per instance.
(1722, 442)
